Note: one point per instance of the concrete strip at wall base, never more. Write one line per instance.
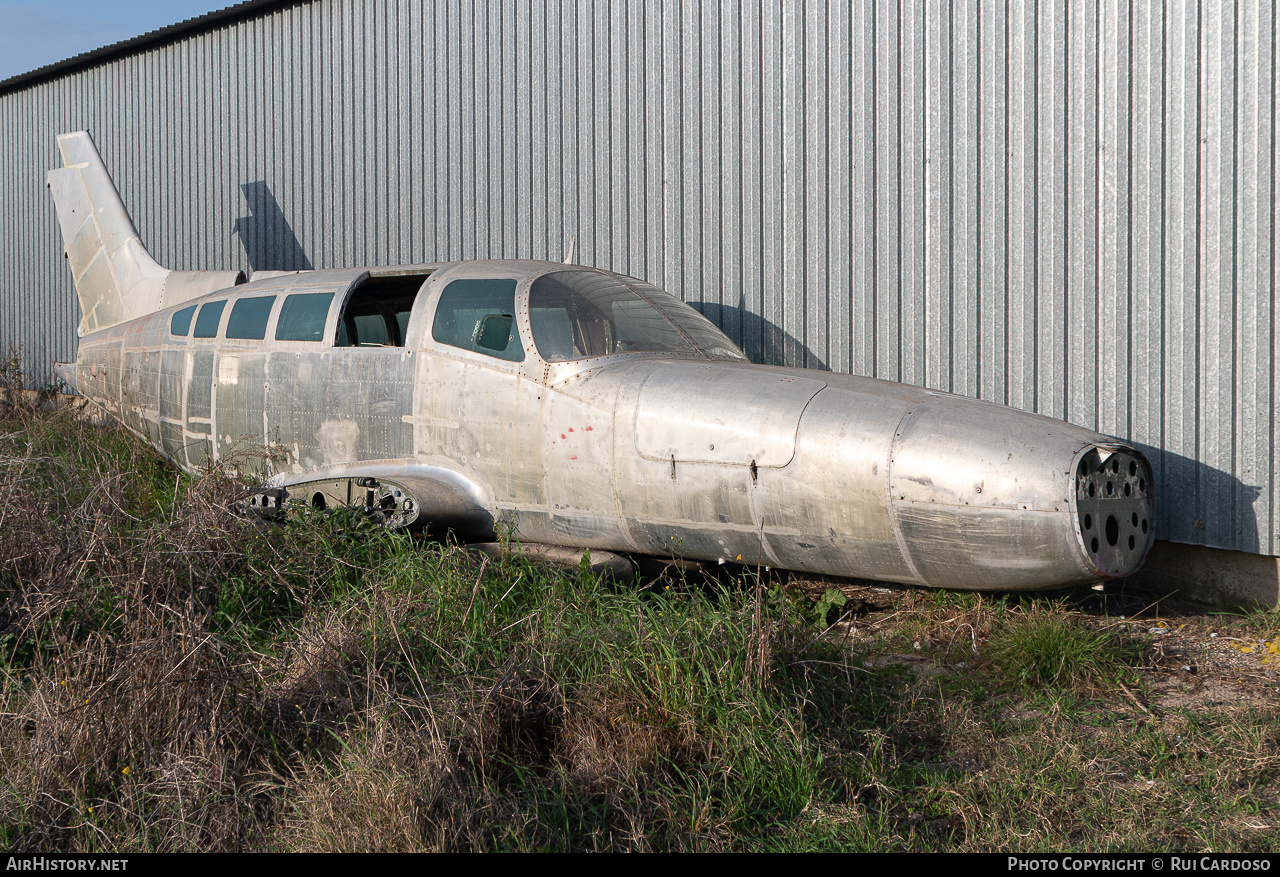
(1212, 576)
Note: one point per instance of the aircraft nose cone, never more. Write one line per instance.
(991, 498)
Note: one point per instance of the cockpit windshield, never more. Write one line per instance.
(580, 314)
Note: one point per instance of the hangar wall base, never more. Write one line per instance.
(1213, 576)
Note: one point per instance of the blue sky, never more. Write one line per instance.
(33, 34)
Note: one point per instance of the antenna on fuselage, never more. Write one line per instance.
(568, 260)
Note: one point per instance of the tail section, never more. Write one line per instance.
(116, 278)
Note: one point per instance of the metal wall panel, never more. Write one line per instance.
(1066, 207)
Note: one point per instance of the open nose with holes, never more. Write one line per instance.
(1115, 509)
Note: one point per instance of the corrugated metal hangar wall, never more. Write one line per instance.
(1069, 207)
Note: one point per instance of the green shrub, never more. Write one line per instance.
(1044, 647)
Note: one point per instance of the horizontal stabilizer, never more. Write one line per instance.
(66, 372)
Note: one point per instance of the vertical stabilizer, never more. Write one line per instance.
(116, 278)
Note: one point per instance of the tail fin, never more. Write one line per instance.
(116, 278)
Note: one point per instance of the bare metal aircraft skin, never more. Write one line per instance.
(580, 408)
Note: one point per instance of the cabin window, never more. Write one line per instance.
(479, 315)
(302, 317)
(208, 319)
(377, 312)
(181, 322)
(249, 318)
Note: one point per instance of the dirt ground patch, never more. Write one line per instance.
(1195, 656)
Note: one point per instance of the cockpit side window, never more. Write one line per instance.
(479, 315)
(377, 312)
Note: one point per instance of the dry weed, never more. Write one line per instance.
(378, 797)
(126, 715)
(615, 740)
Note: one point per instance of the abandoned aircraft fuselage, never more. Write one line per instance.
(589, 410)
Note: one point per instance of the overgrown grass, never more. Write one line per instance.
(1041, 647)
(177, 677)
